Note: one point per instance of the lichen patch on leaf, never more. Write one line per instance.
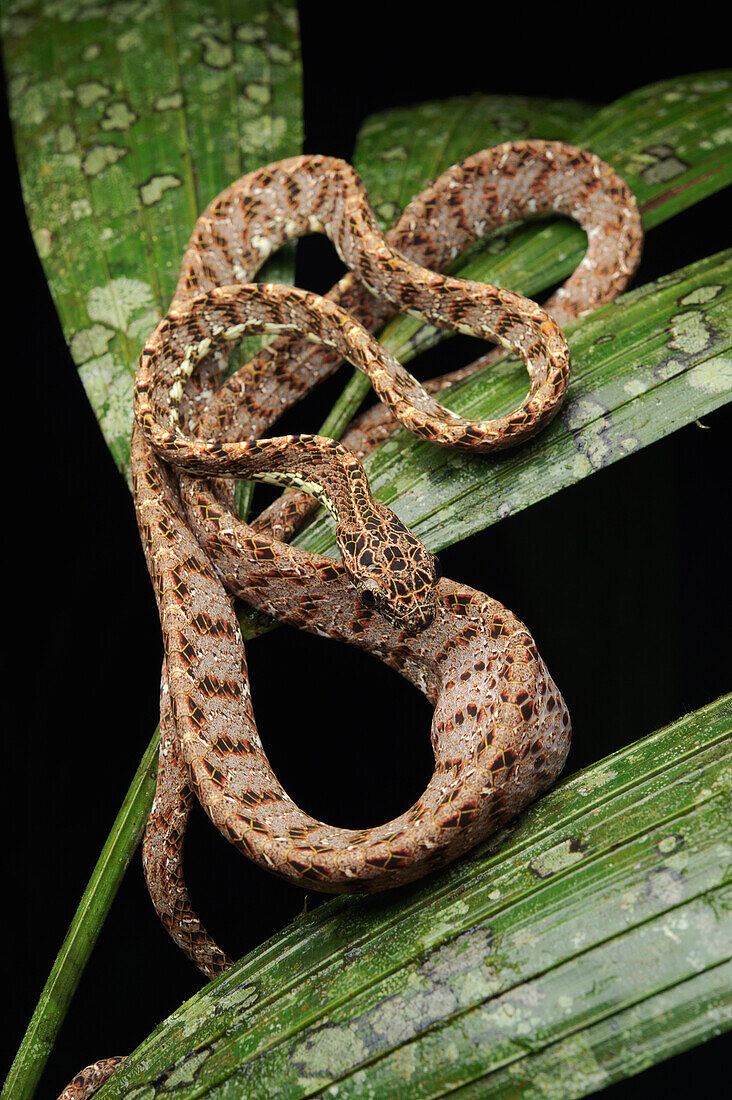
(153, 190)
(119, 302)
(100, 157)
(90, 343)
(558, 858)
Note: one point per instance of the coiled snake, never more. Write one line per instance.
(500, 731)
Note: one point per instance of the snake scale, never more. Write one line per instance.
(501, 730)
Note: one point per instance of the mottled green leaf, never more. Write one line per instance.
(128, 119)
(535, 966)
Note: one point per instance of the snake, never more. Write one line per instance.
(501, 730)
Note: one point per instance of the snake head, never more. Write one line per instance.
(391, 570)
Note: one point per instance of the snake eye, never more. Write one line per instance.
(367, 598)
(438, 568)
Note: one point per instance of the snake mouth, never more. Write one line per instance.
(414, 628)
(414, 619)
(409, 618)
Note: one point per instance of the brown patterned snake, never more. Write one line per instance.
(501, 730)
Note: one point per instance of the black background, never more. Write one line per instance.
(623, 579)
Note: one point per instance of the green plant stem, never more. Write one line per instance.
(346, 406)
(88, 920)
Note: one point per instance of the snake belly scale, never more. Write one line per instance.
(501, 730)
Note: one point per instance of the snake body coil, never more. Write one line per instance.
(500, 730)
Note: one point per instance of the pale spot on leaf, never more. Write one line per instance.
(90, 92)
(714, 376)
(118, 116)
(152, 191)
(100, 157)
(90, 343)
(117, 303)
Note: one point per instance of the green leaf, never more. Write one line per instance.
(127, 121)
(658, 358)
(589, 939)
